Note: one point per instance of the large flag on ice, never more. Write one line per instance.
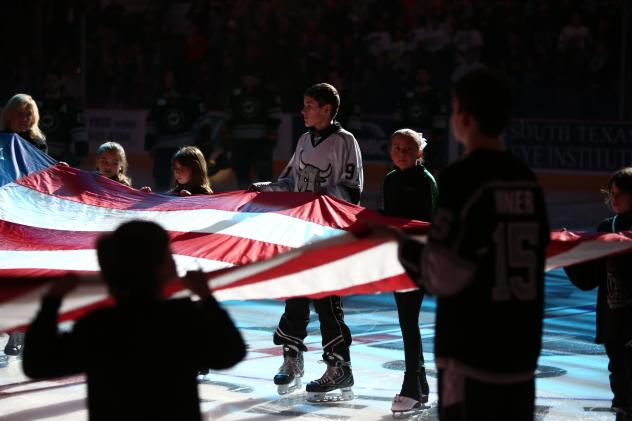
(49, 221)
(264, 245)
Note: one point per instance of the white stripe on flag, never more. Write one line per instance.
(587, 250)
(86, 260)
(22, 309)
(339, 274)
(25, 206)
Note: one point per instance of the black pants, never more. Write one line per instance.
(620, 367)
(162, 168)
(252, 153)
(292, 330)
(408, 307)
(486, 401)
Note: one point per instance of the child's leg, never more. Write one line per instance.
(620, 381)
(290, 333)
(627, 351)
(292, 328)
(336, 336)
(336, 340)
(408, 307)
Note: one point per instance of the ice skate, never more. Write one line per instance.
(338, 376)
(403, 406)
(288, 379)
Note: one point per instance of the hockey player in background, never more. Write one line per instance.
(327, 160)
(252, 118)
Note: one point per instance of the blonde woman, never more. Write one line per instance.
(21, 116)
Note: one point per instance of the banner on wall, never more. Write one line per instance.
(586, 146)
(126, 127)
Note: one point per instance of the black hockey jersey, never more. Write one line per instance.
(418, 109)
(253, 113)
(485, 261)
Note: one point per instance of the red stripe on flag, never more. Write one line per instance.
(89, 188)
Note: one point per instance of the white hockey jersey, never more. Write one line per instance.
(330, 163)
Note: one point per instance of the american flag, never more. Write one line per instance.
(253, 245)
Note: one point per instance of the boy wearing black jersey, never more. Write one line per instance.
(327, 160)
(485, 262)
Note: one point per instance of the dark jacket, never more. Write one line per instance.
(410, 193)
(613, 278)
(136, 368)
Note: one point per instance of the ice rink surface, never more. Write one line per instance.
(572, 379)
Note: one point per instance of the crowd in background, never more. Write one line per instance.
(563, 56)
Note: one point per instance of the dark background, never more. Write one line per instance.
(567, 59)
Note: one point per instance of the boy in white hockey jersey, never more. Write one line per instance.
(327, 159)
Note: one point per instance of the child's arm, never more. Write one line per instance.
(47, 352)
(213, 324)
(586, 276)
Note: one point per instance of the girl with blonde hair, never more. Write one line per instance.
(21, 116)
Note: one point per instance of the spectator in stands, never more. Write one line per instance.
(575, 36)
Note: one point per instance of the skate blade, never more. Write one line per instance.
(345, 394)
(398, 415)
(408, 413)
(284, 389)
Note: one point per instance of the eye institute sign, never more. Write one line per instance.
(572, 145)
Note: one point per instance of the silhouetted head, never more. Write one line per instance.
(481, 101)
(136, 261)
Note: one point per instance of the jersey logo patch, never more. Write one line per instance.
(310, 177)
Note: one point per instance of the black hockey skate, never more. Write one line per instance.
(288, 379)
(338, 376)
